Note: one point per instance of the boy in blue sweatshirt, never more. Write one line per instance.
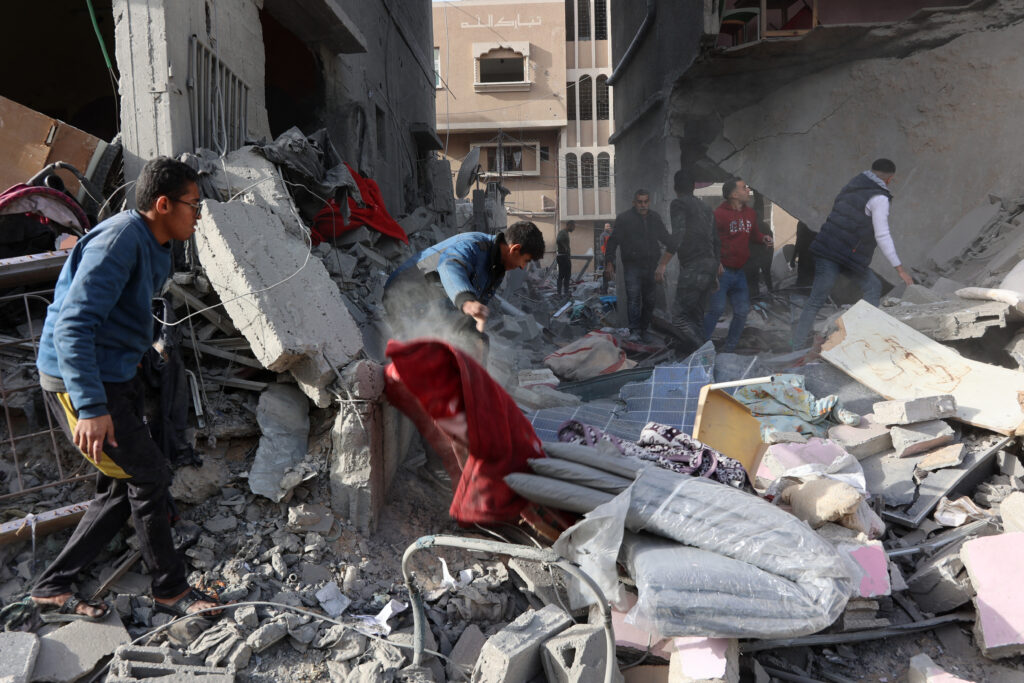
(97, 329)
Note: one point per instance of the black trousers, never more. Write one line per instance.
(144, 497)
(693, 288)
(564, 272)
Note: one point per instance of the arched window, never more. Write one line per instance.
(602, 98)
(570, 101)
(604, 169)
(586, 87)
(600, 20)
(583, 19)
(572, 178)
(587, 170)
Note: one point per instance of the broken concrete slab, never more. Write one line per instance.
(513, 653)
(924, 670)
(465, 653)
(18, 651)
(248, 174)
(867, 438)
(952, 320)
(920, 437)
(939, 583)
(978, 465)
(899, 362)
(74, 650)
(890, 477)
(994, 564)
(704, 660)
(280, 298)
(946, 288)
(577, 655)
(1011, 509)
(913, 410)
(283, 416)
(919, 294)
(941, 458)
(966, 230)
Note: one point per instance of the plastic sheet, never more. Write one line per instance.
(761, 573)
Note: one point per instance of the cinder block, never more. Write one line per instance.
(578, 655)
(920, 437)
(18, 652)
(705, 660)
(513, 653)
(995, 564)
(133, 663)
(914, 410)
(281, 300)
(867, 438)
(923, 670)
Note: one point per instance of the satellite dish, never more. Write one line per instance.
(469, 171)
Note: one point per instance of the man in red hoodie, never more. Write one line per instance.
(736, 223)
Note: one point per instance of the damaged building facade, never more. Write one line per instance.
(932, 85)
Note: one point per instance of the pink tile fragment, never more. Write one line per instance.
(995, 565)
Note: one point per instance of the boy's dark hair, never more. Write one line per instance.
(162, 176)
(883, 166)
(729, 186)
(683, 182)
(528, 235)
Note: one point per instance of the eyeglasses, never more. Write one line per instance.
(197, 208)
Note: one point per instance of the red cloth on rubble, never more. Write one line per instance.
(327, 222)
(455, 393)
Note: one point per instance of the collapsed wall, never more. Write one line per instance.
(799, 118)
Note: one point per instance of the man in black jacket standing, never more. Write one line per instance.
(859, 221)
(699, 253)
(638, 231)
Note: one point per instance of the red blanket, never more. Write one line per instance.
(456, 403)
(373, 214)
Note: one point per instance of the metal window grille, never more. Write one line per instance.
(600, 20)
(587, 170)
(602, 98)
(586, 87)
(583, 19)
(572, 179)
(218, 99)
(604, 169)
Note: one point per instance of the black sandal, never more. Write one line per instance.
(179, 608)
(51, 613)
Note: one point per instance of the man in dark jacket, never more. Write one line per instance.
(698, 251)
(859, 221)
(96, 331)
(638, 231)
(563, 257)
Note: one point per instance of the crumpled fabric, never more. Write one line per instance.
(668, 448)
(784, 405)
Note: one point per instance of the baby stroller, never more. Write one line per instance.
(34, 214)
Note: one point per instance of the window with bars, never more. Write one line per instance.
(570, 101)
(586, 86)
(572, 178)
(219, 101)
(604, 169)
(587, 170)
(600, 20)
(602, 98)
(583, 19)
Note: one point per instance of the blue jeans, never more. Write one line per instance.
(732, 283)
(639, 295)
(825, 274)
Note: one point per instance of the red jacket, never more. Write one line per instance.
(736, 230)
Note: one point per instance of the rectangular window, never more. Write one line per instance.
(510, 159)
(545, 153)
(437, 67)
(502, 70)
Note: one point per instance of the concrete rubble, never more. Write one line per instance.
(311, 485)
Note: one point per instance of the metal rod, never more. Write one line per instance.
(546, 556)
(70, 480)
